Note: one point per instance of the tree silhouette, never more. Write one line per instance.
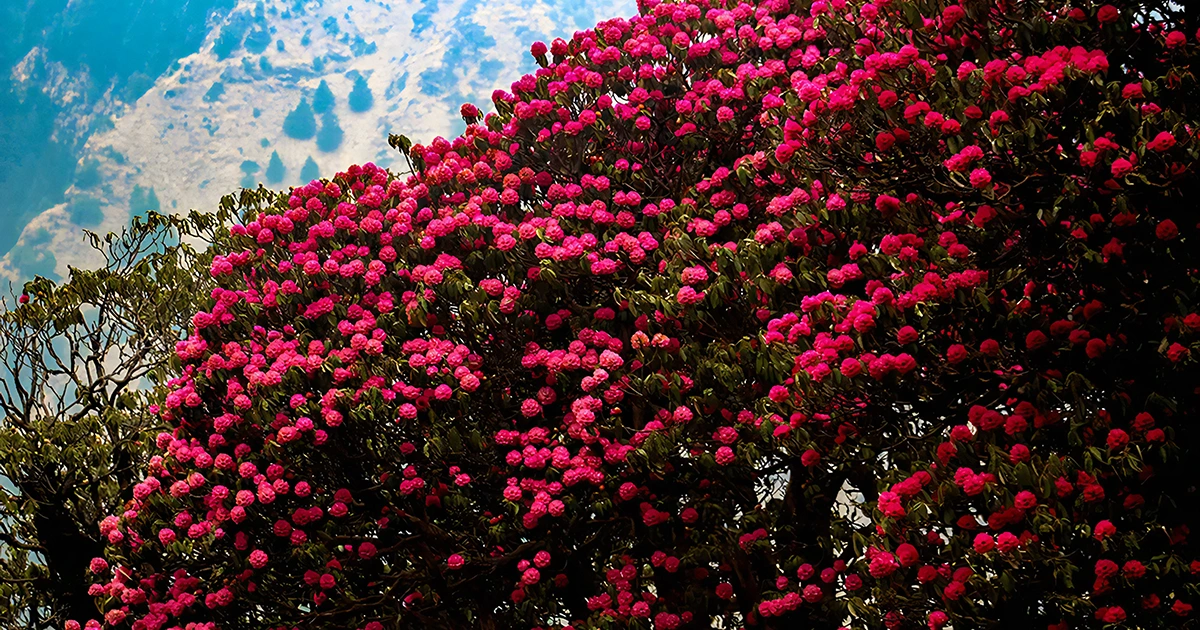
(300, 124)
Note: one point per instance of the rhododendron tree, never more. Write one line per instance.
(81, 361)
(773, 315)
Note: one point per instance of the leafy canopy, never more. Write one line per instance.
(769, 315)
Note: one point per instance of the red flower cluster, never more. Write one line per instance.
(724, 293)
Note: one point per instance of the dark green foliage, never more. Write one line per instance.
(329, 138)
(275, 169)
(143, 201)
(301, 124)
(361, 98)
(215, 92)
(81, 360)
(323, 100)
(249, 168)
(85, 211)
(309, 171)
(89, 175)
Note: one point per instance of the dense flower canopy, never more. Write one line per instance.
(774, 315)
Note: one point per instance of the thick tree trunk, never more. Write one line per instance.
(68, 552)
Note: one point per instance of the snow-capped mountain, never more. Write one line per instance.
(274, 91)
